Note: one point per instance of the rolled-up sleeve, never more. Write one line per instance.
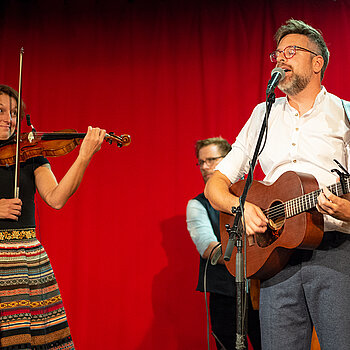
(199, 226)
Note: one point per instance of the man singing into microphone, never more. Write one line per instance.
(307, 129)
(203, 226)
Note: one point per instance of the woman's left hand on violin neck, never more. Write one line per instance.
(91, 143)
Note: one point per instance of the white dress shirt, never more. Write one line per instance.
(306, 144)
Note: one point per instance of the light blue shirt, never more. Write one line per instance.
(199, 226)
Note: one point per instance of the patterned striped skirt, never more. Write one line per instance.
(31, 310)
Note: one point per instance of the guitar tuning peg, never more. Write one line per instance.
(341, 167)
(339, 173)
(343, 176)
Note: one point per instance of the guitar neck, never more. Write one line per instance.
(308, 201)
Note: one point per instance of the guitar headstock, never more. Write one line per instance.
(122, 140)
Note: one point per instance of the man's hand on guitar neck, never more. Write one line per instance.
(330, 204)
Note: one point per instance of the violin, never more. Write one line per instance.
(21, 147)
(50, 144)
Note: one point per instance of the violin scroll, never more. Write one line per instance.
(122, 140)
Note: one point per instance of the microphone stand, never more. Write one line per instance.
(236, 233)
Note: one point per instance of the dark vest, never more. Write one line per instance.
(219, 280)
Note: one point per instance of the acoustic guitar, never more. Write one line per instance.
(290, 206)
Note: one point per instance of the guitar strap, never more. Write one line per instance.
(346, 106)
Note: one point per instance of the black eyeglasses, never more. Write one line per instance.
(208, 161)
(288, 52)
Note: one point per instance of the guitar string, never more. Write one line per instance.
(293, 204)
(292, 207)
(299, 203)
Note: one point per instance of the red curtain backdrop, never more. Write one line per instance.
(168, 73)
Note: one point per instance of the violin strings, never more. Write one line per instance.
(41, 133)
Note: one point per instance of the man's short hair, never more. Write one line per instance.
(294, 26)
(222, 144)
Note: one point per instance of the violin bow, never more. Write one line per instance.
(18, 125)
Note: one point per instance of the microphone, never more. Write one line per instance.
(277, 74)
(29, 123)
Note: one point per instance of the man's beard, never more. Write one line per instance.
(296, 84)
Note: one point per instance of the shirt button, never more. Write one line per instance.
(293, 144)
(294, 161)
(296, 114)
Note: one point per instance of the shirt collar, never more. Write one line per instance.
(320, 96)
(318, 100)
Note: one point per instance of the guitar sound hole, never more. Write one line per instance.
(276, 216)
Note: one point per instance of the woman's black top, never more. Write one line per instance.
(27, 191)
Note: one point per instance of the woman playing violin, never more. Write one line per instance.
(32, 315)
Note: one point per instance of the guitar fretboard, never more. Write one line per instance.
(305, 202)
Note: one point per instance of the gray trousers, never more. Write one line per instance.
(312, 290)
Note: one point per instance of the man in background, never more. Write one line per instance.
(203, 226)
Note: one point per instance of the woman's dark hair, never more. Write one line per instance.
(7, 90)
